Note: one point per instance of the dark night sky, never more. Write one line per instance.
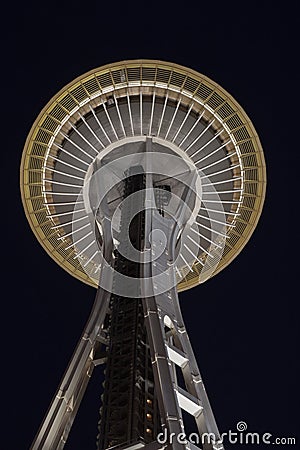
(243, 322)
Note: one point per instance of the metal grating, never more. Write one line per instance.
(35, 177)
(91, 85)
(250, 160)
(251, 188)
(58, 112)
(79, 93)
(68, 102)
(163, 75)
(41, 216)
(35, 163)
(246, 215)
(241, 134)
(177, 79)
(248, 202)
(34, 191)
(234, 238)
(225, 111)
(247, 147)
(191, 84)
(204, 91)
(37, 204)
(234, 122)
(43, 136)
(251, 174)
(241, 226)
(118, 76)
(215, 100)
(133, 73)
(50, 124)
(148, 73)
(38, 149)
(104, 79)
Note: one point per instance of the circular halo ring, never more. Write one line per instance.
(147, 77)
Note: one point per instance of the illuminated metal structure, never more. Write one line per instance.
(141, 178)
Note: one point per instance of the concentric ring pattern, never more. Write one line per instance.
(122, 101)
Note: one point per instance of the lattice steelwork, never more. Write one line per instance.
(187, 145)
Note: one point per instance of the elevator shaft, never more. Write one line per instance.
(129, 412)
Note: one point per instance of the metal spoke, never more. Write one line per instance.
(70, 154)
(90, 259)
(220, 212)
(76, 145)
(207, 143)
(176, 268)
(217, 162)
(227, 180)
(63, 203)
(192, 253)
(68, 223)
(130, 114)
(211, 153)
(98, 268)
(221, 201)
(66, 164)
(60, 183)
(91, 130)
(65, 213)
(63, 173)
(119, 115)
(173, 118)
(82, 251)
(61, 193)
(191, 129)
(203, 249)
(73, 232)
(100, 125)
(211, 230)
(79, 240)
(141, 112)
(232, 191)
(206, 238)
(185, 262)
(183, 122)
(162, 114)
(83, 138)
(209, 219)
(201, 134)
(110, 121)
(221, 171)
(151, 115)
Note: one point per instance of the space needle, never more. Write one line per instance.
(140, 178)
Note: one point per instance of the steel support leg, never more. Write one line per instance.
(57, 423)
(162, 310)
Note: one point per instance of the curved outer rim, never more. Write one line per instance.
(188, 71)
